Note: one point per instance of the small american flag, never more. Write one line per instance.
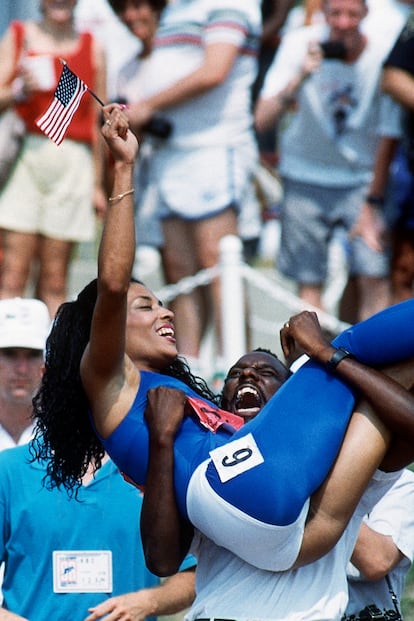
(68, 94)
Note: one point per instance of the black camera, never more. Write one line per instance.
(373, 613)
(333, 50)
(159, 127)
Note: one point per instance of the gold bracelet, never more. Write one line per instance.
(119, 197)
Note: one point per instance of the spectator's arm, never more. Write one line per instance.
(399, 84)
(269, 109)
(370, 224)
(375, 554)
(7, 53)
(23, 84)
(174, 595)
(218, 61)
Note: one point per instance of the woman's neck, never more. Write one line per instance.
(58, 30)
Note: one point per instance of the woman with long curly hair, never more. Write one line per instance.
(116, 341)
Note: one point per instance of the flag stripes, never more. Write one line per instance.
(68, 94)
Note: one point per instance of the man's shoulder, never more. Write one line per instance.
(18, 462)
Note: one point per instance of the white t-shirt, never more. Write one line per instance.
(386, 19)
(330, 138)
(393, 516)
(228, 588)
(222, 115)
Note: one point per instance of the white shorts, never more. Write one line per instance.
(50, 191)
(268, 547)
(194, 184)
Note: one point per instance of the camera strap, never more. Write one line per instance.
(394, 598)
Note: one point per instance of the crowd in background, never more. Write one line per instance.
(225, 96)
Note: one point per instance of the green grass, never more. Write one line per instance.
(407, 603)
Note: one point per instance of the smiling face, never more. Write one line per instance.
(142, 20)
(251, 382)
(150, 340)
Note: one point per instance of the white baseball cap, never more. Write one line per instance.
(24, 322)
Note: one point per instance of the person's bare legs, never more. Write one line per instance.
(207, 236)
(402, 269)
(19, 251)
(179, 260)
(373, 295)
(190, 247)
(54, 259)
(311, 294)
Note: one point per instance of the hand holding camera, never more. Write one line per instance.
(333, 50)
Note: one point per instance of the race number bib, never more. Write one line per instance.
(236, 457)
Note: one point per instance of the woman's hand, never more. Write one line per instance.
(119, 138)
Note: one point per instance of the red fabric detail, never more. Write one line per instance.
(213, 417)
(128, 479)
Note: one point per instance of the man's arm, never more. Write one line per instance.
(218, 61)
(386, 535)
(400, 85)
(270, 106)
(387, 392)
(165, 535)
(174, 595)
(366, 442)
(333, 504)
(375, 554)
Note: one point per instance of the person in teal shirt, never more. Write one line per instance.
(65, 556)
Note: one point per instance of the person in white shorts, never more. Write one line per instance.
(204, 62)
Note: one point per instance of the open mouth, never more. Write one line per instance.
(166, 332)
(247, 402)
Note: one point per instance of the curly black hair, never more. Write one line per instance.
(64, 433)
